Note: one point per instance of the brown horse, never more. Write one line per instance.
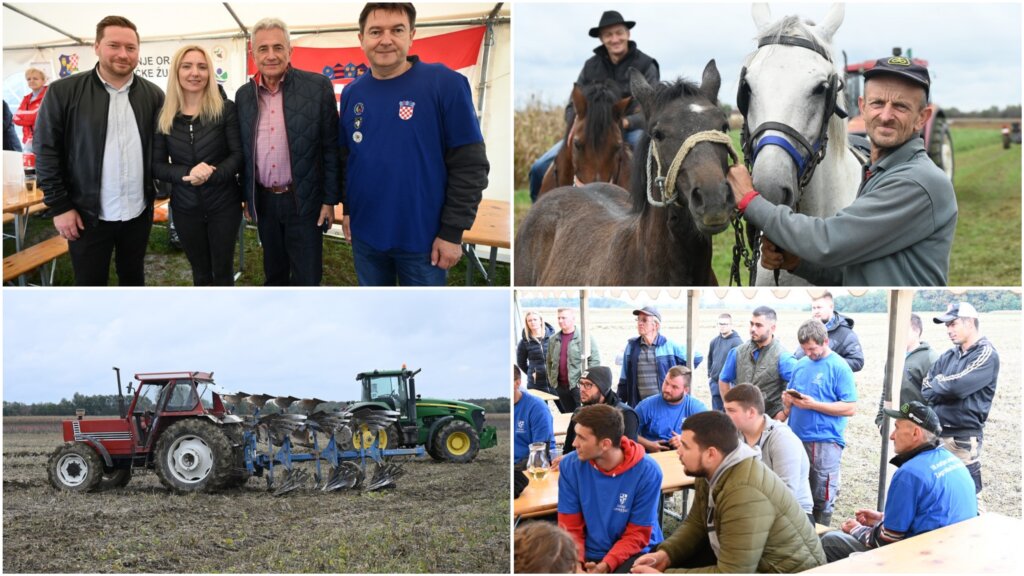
(658, 234)
(593, 149)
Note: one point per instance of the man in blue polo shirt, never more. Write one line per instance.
(661, 417)
(414, 161)
(820, 397)
(931, 489)
(608, 493)
(531, 420)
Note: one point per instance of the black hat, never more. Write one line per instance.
(901, 66)
(919, 414)
(956, 310)
(601, 376)
(610, 18)
(649, 311)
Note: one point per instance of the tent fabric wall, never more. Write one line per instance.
(164, 28)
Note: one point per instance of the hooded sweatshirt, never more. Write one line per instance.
(611, 514)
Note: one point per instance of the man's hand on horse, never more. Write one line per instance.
(740, 181)
(774, 258)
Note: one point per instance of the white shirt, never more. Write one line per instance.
(122, 194)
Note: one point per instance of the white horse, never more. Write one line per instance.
(791, 82)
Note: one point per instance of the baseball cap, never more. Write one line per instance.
(901, 66)
(648, 311)
(919, 414)
(956, 310)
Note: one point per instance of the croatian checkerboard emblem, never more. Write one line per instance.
(405, 109)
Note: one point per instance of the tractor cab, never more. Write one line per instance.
(165, 397)
(391, 389)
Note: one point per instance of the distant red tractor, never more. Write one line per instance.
(937, 138)
(176, 424)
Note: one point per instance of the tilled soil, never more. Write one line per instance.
(440, 518)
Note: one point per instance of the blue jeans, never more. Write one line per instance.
(540, 167)
(824, 459)
(716, 396)
(384, 268)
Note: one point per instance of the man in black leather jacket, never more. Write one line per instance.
(290, 178)
(93, 143)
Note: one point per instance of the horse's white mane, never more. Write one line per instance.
(792, 25)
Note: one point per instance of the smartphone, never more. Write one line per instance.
(794, 394)
(326, 226)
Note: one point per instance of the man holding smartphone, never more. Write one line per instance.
(821, 396)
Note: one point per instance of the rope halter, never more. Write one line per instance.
(667, 184)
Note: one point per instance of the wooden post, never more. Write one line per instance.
(900, 303)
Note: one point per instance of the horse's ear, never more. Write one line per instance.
(711, 81)
(641, 90)
(762, 16)
(832, 21)
(579, 101)
(619, 110)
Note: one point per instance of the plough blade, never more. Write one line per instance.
(385, 475)
(293, 479)
(346, 475)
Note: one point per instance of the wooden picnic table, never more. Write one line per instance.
(18, 201)
(540, 498)
(987, 543)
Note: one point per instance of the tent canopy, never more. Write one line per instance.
(37, 25)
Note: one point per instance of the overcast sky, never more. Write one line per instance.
(299, 342)
(973, 49)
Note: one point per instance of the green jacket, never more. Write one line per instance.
(575, 363)
(759, 524)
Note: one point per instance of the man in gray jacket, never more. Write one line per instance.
(841, 338)
(899, 229)
(780, 449)
(565, 360)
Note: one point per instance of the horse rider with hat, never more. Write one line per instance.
(611, 62)
(899, 229)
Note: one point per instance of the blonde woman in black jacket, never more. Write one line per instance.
(198, 150)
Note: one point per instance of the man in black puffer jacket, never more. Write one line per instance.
(841, 338)
(289, 125)
(94, 141)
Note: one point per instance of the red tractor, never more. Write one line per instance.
(176, 425)
(937, 139)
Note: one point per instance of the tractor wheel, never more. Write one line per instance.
(117, 478)
(433, 451)
(457, 441)
(193, 456)
(75, 467)
(940, 147)
(391, 437)
(239, 473)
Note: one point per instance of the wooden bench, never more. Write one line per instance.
(42, 255)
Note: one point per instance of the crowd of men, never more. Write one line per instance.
(406, 157)
(766, 463)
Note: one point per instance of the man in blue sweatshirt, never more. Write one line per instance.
(661, 416)
(531, 420)
(608, 493)
(820, 398)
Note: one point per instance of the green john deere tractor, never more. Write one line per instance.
(448, 429)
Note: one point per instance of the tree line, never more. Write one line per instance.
(932, 301)
(106, 405)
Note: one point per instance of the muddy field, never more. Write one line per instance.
(1001, 456)
(440, 518)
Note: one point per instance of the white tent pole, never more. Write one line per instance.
(481, 92)
(584, 307)
(692, 322)
(241, 27)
